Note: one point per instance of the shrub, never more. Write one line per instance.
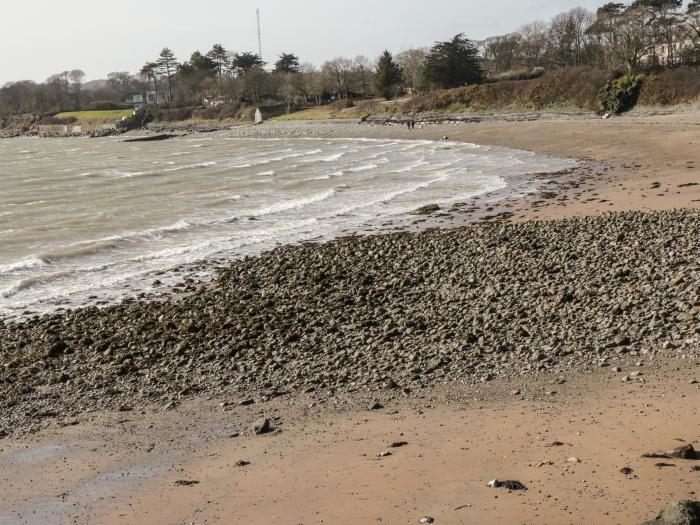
(620, 94)
(172, 115)
(674, 86)
(516, 74)
(58, 121)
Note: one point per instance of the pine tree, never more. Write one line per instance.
(220, 57)
(167, 66)
(149, 71)
(388, 76)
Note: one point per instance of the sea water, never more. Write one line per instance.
(92, 220)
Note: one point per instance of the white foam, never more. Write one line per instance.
(25, 264)
(293, 204)
(366, 167)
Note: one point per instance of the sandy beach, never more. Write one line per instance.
(398, 374)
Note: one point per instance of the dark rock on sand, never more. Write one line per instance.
(427, 210)
(684, 452)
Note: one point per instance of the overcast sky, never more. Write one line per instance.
(42, 37)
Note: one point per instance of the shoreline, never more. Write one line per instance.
(486, 344)
(491, 205)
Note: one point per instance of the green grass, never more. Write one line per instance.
(93, 117)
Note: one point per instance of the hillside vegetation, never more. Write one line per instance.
(568, 89)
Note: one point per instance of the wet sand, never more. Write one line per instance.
(322, 464)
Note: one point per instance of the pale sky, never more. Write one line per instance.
(42, 37)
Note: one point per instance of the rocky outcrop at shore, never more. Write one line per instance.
(679, 513)
(17, 133)
(394, 312)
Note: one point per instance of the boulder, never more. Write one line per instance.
(678, 513)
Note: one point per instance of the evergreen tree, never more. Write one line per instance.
(287, 63)
(149, 71)
(453, 63)
(220, 58)
(241, 63)
(388, 76)
(203, 63)
(167, 66)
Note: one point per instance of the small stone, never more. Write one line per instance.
(399, 444)
(427, 519)
(427, 210)
(626, 471)
(510, 485)
(262, 426)
(384, 454)
(573, 459)
(617, 370)
(246, 402)
(390, 384)
(375, 406)
(242, 463)
(555, 444)
(186, 482)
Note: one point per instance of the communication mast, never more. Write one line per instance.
(257, 11)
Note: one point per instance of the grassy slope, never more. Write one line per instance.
(97, 117)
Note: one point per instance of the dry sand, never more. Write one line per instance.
(321, 465)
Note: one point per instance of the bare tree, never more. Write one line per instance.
(362, 68)
(58, 87)
(339, 72)
(533, 42)
(122, 82)
(76, 78)
(412, 63)
(626, 33)
(314, 83)
(502, 53)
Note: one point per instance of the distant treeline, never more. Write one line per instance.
(619, 39)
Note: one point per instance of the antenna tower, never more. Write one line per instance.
(257, 11)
